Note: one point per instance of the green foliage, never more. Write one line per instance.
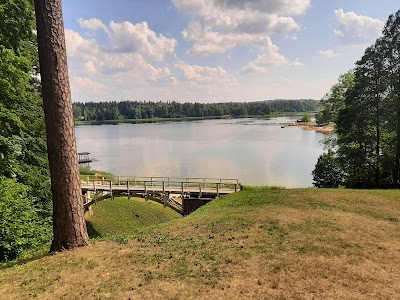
(23, 156)
(21, 226)
(136, 110)
(365, 105)
(16, 22)
(322, 117)
(306, 118)
(334, 100)
(327, 172)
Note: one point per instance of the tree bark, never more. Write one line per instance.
(69, 226)
(396, 179)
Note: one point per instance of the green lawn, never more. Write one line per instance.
(123, 216)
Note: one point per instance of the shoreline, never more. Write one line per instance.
(321, 129)
(327, 129)
(185, 119)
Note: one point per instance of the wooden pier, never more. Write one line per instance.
(84, 158)
(191, 190)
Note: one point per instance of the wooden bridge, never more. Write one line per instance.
(182, 194)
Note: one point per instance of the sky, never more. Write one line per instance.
(216, 50)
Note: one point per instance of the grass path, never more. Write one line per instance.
(256, 244)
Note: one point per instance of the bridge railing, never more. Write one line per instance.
(165, 182)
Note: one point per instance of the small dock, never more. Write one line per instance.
(193, 192)
(84, 158)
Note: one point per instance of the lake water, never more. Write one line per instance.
(257, 152)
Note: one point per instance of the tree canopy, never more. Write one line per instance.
(24, 175)
(365, 105)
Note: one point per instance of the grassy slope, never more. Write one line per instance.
(123, 216)
(256, 244)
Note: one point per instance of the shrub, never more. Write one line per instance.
(327, 172)
(21, 227)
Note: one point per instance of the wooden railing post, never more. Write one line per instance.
(200, 193)
(127, 189)
(145, 189)
(111, 192)
(95, 191)
(217, 190)
(183, 205)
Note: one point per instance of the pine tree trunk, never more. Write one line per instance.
(396, 176)
(69, 226)
(377, 145)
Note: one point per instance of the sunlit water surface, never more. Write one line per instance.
(257, 152)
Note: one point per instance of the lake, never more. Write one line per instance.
(255, 151)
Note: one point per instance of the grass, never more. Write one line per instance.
(123, 216)
(260, 243)
(89, 172)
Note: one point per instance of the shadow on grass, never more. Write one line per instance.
(93, 233)
(22, 261)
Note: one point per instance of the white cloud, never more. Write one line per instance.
(244, 16)
(77, 46)
(90, 67)
(123, 59)
(92, 24)
(353, 29)
(290, 7)
(268, 58)
(85, 88)
(131, 38)
(328, 53)
(297, 63)
(211, 42)
(218, 26)
(128, 37)
(88, 84)
(200, 75)
(221, 25)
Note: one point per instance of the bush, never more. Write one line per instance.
(327, 172)
(21, 227)
(306, 118)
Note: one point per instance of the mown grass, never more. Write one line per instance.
(126, 216)
(261, 243)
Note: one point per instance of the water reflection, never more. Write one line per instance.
(258, 152)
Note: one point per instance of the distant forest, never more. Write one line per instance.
(100, 111)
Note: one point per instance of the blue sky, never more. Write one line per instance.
(216, 50)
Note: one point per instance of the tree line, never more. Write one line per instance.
(99, 111)
(365, 105)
